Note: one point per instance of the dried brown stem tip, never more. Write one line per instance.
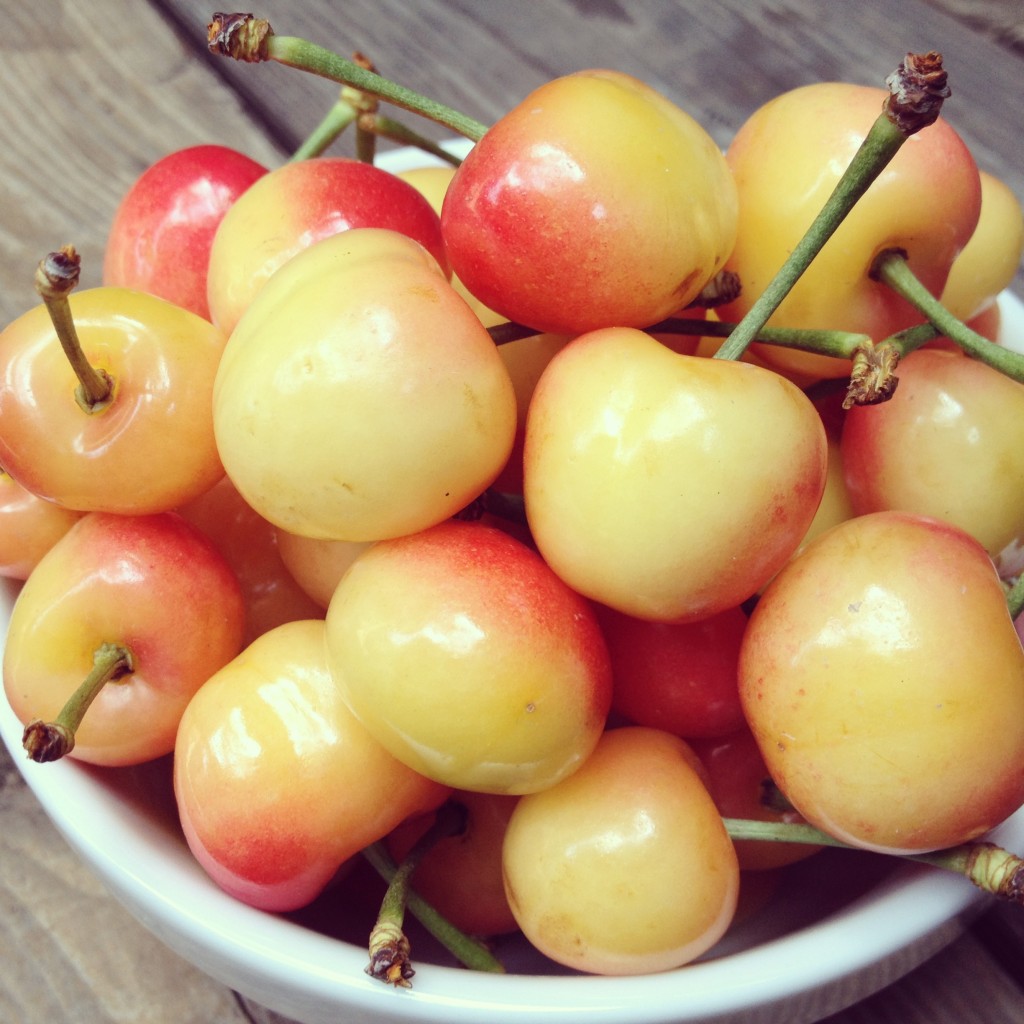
(997, 871)
(47, 741)
(390, 956)
(917, 89)
(240, 36)
(58, 273)
(873, 376)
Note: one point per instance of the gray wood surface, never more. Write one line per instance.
(92, 93)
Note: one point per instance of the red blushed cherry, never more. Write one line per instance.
(461, 876)
(740, 785)
(160, 237)
(29, 527)
(300, 203)
(679, 677)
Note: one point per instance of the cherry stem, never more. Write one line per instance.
(395, 131)
(250, 39)
(916, 91)
(57, 275)
(891, 268)
(50, 741)
(1015, 597)
(986, 865)
(388, 945)
(334, 122)
(841, 344)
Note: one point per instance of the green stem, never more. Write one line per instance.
(57, 276)
(882, 143)
(387, 128)
(334, 122)
(389, 949)
(840, 344)
(247, 38)
(986, 865)
(1015, 597)
(307, 56)
(50, 741)
(892, 269)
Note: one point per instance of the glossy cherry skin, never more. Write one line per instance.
(152, 447)
(669, 487)
(469, 659)
(949, 444)
(298, 204)
(595, 202)
(163, 228)
(625, 867)
(29, 527)
(277, 783)
(787, 158)
(884, 682)
(152, 583)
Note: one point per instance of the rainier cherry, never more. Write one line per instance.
(666, 486)
(884, 681)
(625, 867)
(163, 228)
(595, 202)
(469, 659)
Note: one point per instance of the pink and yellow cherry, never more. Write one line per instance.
(625, 867)
(146, 445)
(163, 228)
(249, 544)
(359, 397)
(317, 565)
(525, 360)
(884, 682)
(468, 659)
(461, 876)
(150, 598)
(990, 259)
(594, 202)
(276, 782)
(432, 183)
(738, 780)
(787, 158)
(948, 444)
(29, 527)
(666, 486)
(677, 677)
(297, 204)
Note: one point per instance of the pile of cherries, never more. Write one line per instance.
(366, 494)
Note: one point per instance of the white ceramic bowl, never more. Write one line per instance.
(842, 926)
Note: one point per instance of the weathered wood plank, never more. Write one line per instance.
(719, 61)
(91, 98)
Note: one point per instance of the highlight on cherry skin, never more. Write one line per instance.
(361, 339)
(884, 682)
(633, 451)
(277, 783)
(625, 866)
(464, 616)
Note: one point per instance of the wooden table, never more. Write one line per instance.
(92, 93)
